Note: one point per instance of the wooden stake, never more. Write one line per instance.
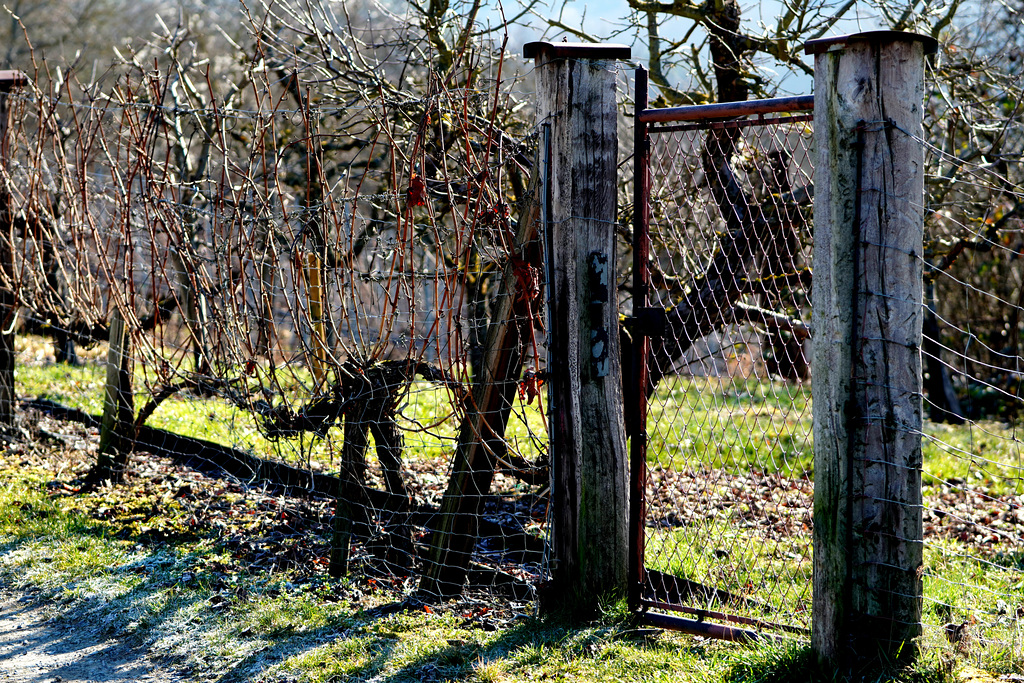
(318, 335)
(117, 431)
(8, 301)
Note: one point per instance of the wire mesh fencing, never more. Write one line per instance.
(972, 473)
(728, 495)
(727, 530)
(295, 283)
(338, 291)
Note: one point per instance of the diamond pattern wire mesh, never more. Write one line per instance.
(973, 469)
(729, 424)
(310, 317)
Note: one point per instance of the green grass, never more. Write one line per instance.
(742, 425)
(426, 413)
(79, 387)
(731, 423)
(417, 647)
(958, 587)
(327, 630)
(320, 630)
(775, 575)
(986, 454)
(986, 593)
(183, 599)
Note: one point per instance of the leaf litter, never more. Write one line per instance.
(261, 543)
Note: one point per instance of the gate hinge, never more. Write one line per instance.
(649, 322)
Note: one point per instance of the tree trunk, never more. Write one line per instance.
(264, 290)
(369, 395)
(943, 404)
(784, 352)
(190, 301)
(728, 49)
(351, 510)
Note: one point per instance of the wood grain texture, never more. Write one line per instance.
(868, 312)
(588, 439)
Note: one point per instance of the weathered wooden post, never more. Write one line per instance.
(117, 429)
(8, 299)
(576, 110)
(868, 311)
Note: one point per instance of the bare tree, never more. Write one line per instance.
(704, 52)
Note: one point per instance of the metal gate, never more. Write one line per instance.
(721, 424)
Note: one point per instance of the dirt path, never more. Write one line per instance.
(36, 649)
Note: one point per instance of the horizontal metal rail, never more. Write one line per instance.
(729, 123)
(703, 614)
(703, 112)
(700, 628)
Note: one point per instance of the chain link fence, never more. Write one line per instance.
(728, 495)
(293, 283)
(730, 477)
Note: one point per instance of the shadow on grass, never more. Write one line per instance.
(796, 663)
(342, 644)
(549, 648)
(162, 606)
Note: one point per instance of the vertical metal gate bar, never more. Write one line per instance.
(641, 278)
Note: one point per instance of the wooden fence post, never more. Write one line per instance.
(8, 298)
(117, 429)
(589, 497)
(868, 312)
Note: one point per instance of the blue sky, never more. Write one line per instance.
(609, 20)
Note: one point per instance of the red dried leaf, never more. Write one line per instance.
(417, 193)
(529, 387)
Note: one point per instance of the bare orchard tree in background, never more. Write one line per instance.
(299, 208)
(974, 283)
(707, 52)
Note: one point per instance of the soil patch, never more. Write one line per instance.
(37, 646)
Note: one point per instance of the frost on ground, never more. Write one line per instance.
(36, 647)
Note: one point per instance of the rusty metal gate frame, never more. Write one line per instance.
(647, 321)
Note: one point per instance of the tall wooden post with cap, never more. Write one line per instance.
(9, 80)
(577, 118)
(868, 312)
